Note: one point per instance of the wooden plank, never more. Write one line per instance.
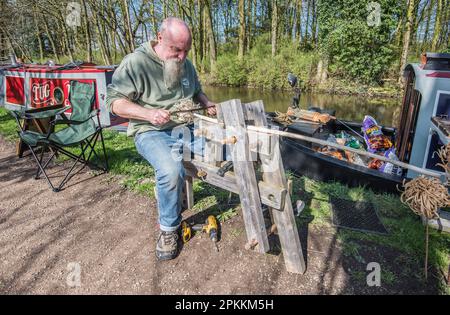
(272, 196)
(228, 182)
(258, 142)
(284, 220)
(233, 118)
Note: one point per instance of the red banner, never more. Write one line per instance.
(48, 92)
(36, 86)
(14, 90)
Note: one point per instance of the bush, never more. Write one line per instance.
(231, 71)
(359, 51)
(259, 69)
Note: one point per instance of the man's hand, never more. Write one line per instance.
(158, 117)
(211, 108)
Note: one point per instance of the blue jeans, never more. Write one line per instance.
(165, 150)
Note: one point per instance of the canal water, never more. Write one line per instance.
(385, 110)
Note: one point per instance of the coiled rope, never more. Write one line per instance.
(425, 196)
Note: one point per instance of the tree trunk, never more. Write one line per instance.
(249, 27)
(446, 31)
(255, 18)
(274, 27)
(322, 72)
(88, 32)
(242, 35)
(128, 31)
(226, 18)
(51, 39)
(38, 35)
(427, 26)
(437, 26)
(299, 20)
(153, 17)
(314, 22)
(3, 45)
(190, 17)
(205, 36)
(164, 9)
(212, 42)
(407, 37)
(100, 38)
(200, 41)
(308, 9)
(65, 36)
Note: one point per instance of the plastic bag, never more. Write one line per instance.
(375, 140)
(390, 168)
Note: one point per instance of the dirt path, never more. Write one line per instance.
(111, 232)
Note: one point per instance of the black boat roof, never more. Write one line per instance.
(436, 61)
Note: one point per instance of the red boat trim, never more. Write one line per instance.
(445, 75)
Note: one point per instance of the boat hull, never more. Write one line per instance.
(304, 161)
(300, 158)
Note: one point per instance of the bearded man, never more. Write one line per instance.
(148, 82)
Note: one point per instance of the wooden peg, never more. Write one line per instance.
(230, 140)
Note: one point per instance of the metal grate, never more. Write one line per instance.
(356, 215)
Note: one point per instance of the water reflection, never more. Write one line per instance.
(384, 110)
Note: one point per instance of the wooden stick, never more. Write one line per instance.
(190, 110)
(332, 144)
(426, 251)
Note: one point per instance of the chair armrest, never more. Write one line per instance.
(44, 112)
(75, 122)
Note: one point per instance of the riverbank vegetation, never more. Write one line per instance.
(255, 43)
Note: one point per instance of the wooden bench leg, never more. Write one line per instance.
(187, 196)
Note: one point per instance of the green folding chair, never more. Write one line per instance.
(81, 131)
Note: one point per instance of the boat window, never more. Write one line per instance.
(443, 105)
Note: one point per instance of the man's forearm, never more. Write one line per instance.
(202, 99)
(127, 109)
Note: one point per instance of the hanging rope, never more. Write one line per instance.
(444, 155)
(425, 196)
(283, 118)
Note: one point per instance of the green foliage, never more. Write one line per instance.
(231, 71)
(8, 125)
(227, 214)
(259, 69)
(357, 50)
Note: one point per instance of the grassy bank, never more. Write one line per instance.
(406, 233)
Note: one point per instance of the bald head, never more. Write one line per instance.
(174, 39)
(175, 28)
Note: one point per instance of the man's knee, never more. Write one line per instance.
(171, 173)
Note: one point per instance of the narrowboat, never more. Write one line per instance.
(424, 128)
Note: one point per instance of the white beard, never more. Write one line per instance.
(173, 71)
